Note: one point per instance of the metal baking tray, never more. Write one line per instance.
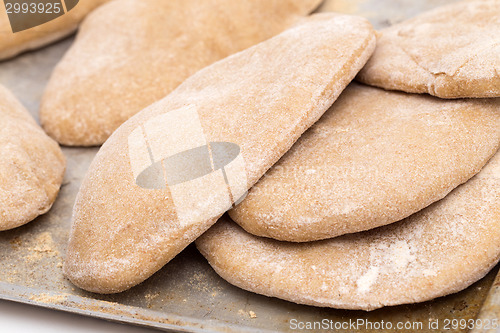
(187, 295)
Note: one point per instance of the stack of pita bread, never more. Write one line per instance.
(390, 198)
(394, 197)
(345, 195)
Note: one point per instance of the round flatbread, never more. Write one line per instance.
(450, 52)
(437, 251)
(31, 165)
(374, 158)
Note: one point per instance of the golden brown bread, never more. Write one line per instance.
(450, 52)
(437, 251)
(374, 158)
(261, 99)
(31, 165)
(129, 54)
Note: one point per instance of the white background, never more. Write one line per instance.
(23, 318)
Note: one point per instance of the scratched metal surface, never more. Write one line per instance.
(186, 295)
(490, 310)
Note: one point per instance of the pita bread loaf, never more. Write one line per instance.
(374, 158)
(128, 223)
(437, 251)
(130, 54)
(450, 52)
(31, 165)
(11, 44)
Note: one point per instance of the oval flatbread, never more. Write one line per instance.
(167, 174)
(374, 158)
(437, 251)
(31, 165)
(129, 54)
(450, 52)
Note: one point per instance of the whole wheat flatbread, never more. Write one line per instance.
(31, 165)
(374, 158)
(259, 100)
(12, 44)
(437, 251)
(130, 54)
(450, 52)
